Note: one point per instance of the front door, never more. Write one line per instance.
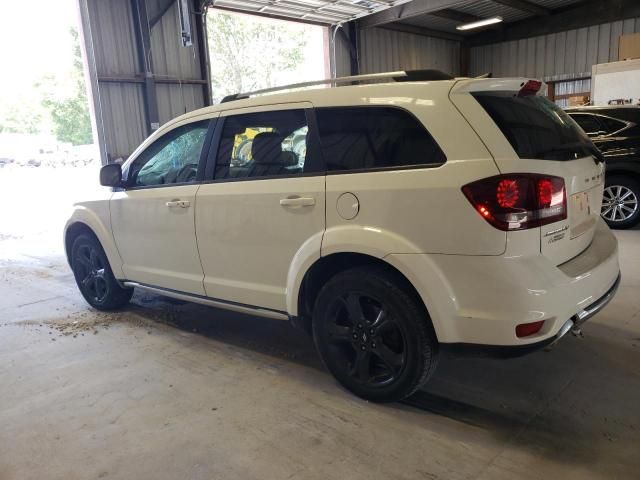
(265, 204)
(153, 217)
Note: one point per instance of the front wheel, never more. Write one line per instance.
(373, 335)
(621, 202)
(94, 276)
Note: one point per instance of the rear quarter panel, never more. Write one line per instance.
(415, 210)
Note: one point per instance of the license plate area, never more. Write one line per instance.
(580, 218)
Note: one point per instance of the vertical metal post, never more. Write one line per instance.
(203, 51)
(354, 54)
(91, 78)
(465, 59)
(143, 43)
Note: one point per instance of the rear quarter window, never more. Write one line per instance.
(535, 127)
(363, 138)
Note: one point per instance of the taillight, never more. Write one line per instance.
(518, 201)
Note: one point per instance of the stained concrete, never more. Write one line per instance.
(164, 390)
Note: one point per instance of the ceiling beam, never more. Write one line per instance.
(455, 15)
(425, 32)
(584, 14)
(269, 15)
(524, 6)
(404, 11)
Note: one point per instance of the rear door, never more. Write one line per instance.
(262, 204)
(527, 133)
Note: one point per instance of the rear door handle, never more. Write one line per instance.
(178, 203)
(298, 202)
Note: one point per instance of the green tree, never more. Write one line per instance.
(20, 120)
(70, 115)
(248, 54)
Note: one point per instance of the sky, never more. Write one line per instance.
(34, 41)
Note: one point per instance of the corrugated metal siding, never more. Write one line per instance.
(342, 57)
(555, 56)
(114, 45)
(384, 50)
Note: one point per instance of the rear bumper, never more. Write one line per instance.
(505, 351)
(481, 299)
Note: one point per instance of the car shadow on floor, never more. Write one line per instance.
(555, 403)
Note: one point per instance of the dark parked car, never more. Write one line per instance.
(616, 132)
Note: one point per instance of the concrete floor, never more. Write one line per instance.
(165, 390)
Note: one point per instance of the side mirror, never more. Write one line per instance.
(111, 175)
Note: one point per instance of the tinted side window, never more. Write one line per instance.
(358, 138)
(263, 144)
(589, 123)
(611, 125)
(173, 158)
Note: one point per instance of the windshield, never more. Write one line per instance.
(535, 127)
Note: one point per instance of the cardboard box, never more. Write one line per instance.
(629, 46)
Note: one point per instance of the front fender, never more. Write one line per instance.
(95, 215)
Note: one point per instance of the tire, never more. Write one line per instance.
(373, 335)
(621, 202)
(94, 277)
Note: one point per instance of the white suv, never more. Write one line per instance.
(392, 220)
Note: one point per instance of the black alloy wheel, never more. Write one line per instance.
(366, 339)
(94, 276)
(373, 335)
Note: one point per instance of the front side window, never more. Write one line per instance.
(264, 144)
(171, 159)
(357, 138)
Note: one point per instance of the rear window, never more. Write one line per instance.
(362, 138)
(535, 127)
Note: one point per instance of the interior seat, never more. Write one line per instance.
(268, 157)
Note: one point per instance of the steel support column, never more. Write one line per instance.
(142, 29)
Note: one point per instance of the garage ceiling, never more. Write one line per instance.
(314, 11)
(447, 20)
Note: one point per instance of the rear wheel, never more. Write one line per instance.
(94, 276)
(373, 335)
(621, 202)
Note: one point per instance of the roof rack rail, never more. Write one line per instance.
(399, 76)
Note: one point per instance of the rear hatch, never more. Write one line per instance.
(526, 133)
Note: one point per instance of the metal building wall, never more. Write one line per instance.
(383, 50)
(556, 56)
(341, 58)
(115, 75)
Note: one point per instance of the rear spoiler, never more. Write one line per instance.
(522, 86)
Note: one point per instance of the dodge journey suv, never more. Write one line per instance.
(391, 221)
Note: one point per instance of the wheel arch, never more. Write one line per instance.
(83, 222)
(328, 266)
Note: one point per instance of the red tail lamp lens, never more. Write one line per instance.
(545, 192)
(518, 201)
(526, 329)
(507, 193)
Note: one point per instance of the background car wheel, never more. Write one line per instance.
(94, 276)
(373, 335)
(621, 202)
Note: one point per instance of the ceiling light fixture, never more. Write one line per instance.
(479, 23)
